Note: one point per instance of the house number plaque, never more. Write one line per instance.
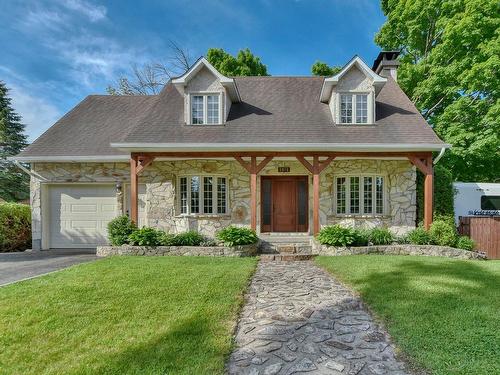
(283, 169)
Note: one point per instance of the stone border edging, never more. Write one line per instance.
(225, 251)
(407, 249)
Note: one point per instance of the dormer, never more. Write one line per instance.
(208, 95)
(351, 93)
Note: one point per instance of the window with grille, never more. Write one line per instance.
(359, 195)
(353, 108)
(205, 109)
(203, 195)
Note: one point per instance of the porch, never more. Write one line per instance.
(295, 194)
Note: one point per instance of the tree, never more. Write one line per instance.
(319, 68)
(14, 184)
(151, 77)
(450, 68)
(244, 64)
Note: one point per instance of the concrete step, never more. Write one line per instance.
(285, 244)
(286, 257)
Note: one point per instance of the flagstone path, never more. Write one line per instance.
(299, 319)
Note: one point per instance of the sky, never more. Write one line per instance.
(55, 53)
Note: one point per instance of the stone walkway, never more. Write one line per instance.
(298, 319)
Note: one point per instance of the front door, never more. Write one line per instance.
(284, 204)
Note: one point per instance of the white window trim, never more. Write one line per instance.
(369, 106)
(201, 202)
(361, 195)
(205, 94)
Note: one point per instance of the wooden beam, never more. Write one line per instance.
(143, 161)
(263, 163)
(325, 163)
(231, 154)
(417, 162)
(316, 173)
(243, 163)
(428, 194)
(134, 209)
(253, 193)
(305, 163)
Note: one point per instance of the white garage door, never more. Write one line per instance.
(79, 214)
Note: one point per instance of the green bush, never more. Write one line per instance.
(465, 243)
(362, 237)
(190, 238)
(381, 236)
(418, 236)
(147, 237)
(119, 230)
(443, 233)
(15, 227)
(336, 235)
(235, 236)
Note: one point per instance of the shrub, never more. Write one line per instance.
(335, 235)
(190, 238)
(418, 236)
(381, 236)
(443, 233)
(119, 230)
(15, 227)
(465, 243)
(234, 236)
(147, 237)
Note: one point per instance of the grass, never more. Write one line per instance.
(444, 314)
(124, 315)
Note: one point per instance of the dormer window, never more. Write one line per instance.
(205, 109)
(353, 108)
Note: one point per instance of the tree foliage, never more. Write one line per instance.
(150, 78)
(320, 68)
(444, 193)
(14, 184)
(244, 64)
(450, 68)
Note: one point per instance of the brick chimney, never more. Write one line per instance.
(386, 64)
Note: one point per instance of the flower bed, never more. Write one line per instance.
(225, 251)
(405, 249)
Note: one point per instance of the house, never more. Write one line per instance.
(277, 154)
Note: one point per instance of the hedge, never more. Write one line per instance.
(15, 227)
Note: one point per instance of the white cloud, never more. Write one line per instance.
(93, 12)
(37, 114)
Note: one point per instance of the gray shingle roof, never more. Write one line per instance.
(273, 110)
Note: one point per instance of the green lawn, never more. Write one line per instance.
(444, 314)
(124, 315)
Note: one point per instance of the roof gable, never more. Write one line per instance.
(355, 62)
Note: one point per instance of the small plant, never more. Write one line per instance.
(381, 236)
(443, 233)
(465, 243)
(403, 239)
(336, 235)
(147, 237)
(119, 230)
(362, 237)
(190, 238)
(418, 236)
(209, 242)
(15, 227)
(235, 236)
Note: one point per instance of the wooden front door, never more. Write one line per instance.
(284, 204)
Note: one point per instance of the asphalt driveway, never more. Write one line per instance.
(25, 265)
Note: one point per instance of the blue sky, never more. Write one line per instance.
(54, 53)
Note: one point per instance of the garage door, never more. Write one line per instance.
(79, 214)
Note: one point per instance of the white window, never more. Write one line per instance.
(205, 109)
(359, 195)
(353, 108)
(203, 195)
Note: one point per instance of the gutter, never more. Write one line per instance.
(441, 153)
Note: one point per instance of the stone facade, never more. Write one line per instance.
(224, 251)
(160, 199)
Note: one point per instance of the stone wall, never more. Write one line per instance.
(160, 201)
(225, 251)
(407, 249)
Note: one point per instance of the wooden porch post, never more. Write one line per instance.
(133, 189)
(424, 165)
(428, 194)
(316, 195)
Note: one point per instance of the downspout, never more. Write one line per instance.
(441, 153)
(26, 170)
